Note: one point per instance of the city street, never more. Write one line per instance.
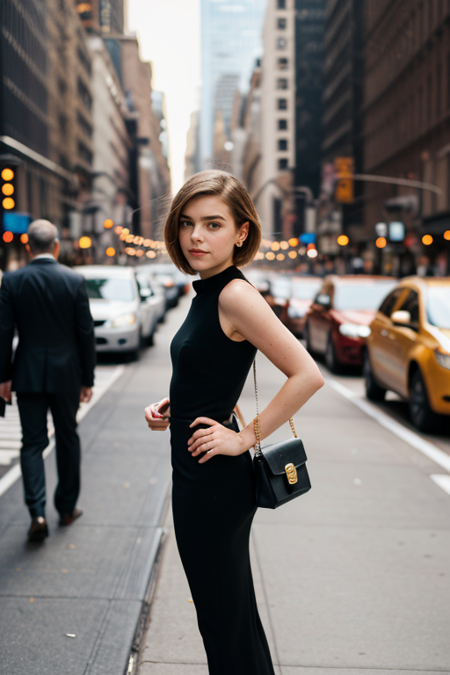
(351, 577)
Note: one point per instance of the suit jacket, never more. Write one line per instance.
(48, 303)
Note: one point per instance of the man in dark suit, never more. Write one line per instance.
(53, 368)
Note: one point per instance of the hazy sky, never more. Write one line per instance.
(169, 35)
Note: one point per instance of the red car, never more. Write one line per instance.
(337, 323)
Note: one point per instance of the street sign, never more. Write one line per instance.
(308, 238)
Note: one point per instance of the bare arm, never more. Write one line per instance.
(244, 314)
(246, 311)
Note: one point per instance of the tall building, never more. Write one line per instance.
(343, 89)
(407, 124)
(274, 197)
(309, 88)
(45, 110)
(146, 122)
(230, 41)
(110, 191)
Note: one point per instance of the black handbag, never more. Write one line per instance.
(280, 471)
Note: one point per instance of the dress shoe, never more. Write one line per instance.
(38, 529)
(69, 518)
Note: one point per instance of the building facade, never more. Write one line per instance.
(45, 111)
(407, 125)
(343, 88)
(230, 42)
(274, 197)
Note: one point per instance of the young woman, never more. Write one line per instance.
(212, 227)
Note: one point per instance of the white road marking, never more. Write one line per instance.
(10, 442)
(442, 480)
(425, 447)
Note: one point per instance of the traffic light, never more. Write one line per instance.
(8, 188)
(344, 175)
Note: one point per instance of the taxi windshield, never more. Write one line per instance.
(366, 295)
(438, 306)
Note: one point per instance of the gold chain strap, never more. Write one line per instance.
(256, 423)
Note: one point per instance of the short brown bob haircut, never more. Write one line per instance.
(234, 196)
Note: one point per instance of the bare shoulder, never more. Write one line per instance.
(237, 293)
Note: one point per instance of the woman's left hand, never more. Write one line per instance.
(216, 440)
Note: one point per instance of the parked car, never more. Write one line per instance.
(168, 271)
(153, 295)
(303, 290)
(408, 350)
(337, 323)
(122, 319)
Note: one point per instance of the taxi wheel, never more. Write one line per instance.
(419, 407)
(330, 356)
(373, 390)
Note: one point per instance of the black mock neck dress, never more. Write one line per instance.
(213, 503)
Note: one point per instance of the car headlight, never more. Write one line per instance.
(443, 359)
(123, 320)
(354, 330)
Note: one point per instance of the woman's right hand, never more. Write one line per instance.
(157, 415)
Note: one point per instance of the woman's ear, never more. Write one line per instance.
(243, 232)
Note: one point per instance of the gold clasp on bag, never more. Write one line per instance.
(291, 473)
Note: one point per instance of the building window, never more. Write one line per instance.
(282, 83)
(281, 24)
(283, 63)
(281, 43)
(282, 164)
(282, 124)
(281, 4)
(282, 144)
(282, 104)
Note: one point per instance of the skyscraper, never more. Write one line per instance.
(231, 40)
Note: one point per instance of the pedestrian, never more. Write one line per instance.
(53, 368)
(212, 228)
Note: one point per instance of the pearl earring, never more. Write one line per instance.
(239, 243)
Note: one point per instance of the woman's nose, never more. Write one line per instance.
(196, 234)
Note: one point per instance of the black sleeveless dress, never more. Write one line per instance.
(213, 503)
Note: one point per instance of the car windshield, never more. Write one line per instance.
(366, 295)
(305, 290)
(438, 306)
(118, 290)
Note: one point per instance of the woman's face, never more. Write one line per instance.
(208, 235)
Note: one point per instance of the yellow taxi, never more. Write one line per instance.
(408, 349)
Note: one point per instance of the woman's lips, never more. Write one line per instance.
(197, 253)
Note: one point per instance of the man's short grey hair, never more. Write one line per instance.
(42, 236)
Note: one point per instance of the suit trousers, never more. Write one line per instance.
(33, 410)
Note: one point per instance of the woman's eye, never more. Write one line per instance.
(185, 223)
(214, 226)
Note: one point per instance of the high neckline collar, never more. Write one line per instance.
(203, 285)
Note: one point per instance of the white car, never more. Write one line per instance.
(123, 319)
(154, 296)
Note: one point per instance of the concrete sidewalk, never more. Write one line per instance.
(71, 605)
(352, 577)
